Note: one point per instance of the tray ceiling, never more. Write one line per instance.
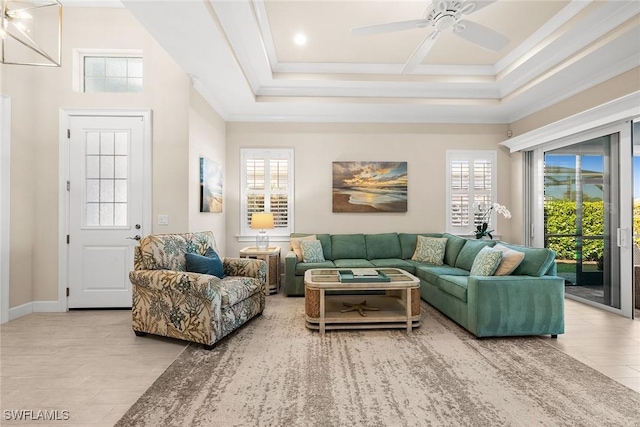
(243, 60)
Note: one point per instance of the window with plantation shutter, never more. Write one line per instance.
(267, 186)
(471, 179)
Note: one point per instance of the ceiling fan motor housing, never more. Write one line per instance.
(444, 14)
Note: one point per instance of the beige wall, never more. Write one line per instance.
(516, 223)
(23, 180)
(316, 146)
(610, 90)
(38, 94)
(206, 139)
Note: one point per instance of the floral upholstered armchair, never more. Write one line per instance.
(171, 302)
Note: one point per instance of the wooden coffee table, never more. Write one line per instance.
(399, 307)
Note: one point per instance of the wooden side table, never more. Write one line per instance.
(272, 257)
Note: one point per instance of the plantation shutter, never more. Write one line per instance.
(255, 174)
(279, 194)
(267, 186)
(459, 198)
(470, 181)
(483, 185)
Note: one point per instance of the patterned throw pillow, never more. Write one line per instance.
(486, 262)
(430, 250)
(511, 259)
(311, 251)
(295, 244)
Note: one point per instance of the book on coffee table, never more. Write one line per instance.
(357, 272)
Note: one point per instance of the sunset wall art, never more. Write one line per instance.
(369, 186)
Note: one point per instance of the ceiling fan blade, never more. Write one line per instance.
(390, 27)
(480, 4)
(481, 35)
(421, 52)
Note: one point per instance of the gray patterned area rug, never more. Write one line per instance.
(275, 372)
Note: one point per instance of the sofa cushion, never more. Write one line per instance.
(383, 245)
(536, 262)
(234, 289)
(209, 263)
(353, 263)
(311, 251)
(295, 244)
(301, 267)
(469, 251)
(454, 285)
(393, 263)
(511, 259)
(431, 273)
(454, 245)
(486, 262)
(430, 250)
(167, 251)
(408, 242)
(348, 246)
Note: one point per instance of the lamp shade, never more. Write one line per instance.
(262, 220)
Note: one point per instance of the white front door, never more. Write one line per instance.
(105, 208)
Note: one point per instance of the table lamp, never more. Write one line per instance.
(262, 221)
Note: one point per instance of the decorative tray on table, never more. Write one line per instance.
(362, 275)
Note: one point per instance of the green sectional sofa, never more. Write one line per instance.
(529, 301)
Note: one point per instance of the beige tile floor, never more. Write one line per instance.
(86, 362)
(90, 363)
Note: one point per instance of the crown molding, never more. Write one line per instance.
(557, 21)
(618, 110)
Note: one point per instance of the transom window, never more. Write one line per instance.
(112, 74)
(107, 70)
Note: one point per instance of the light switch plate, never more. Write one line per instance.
(163, 219)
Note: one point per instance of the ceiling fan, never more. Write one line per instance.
(443, 15)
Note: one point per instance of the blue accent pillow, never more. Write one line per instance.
(209, 263)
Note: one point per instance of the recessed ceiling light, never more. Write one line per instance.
(300, 39)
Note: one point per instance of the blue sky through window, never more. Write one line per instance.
(594, 164)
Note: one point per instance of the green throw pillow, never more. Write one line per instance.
(486, 262)
(209, 263)
(311, 251)
(430, 250)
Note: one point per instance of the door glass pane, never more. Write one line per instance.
(106, 183)
(581, 220)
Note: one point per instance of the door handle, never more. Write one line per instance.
(136, 237)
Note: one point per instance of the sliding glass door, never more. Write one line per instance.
(581, 221)
(587, 203)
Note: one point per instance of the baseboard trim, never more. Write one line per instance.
(47, 307)
(35, 307)
(21, 310)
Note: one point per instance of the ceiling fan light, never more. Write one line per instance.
(441, 6)
(445, 22)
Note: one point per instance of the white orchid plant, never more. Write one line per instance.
(481, 209)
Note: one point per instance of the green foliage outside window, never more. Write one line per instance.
(560, 218)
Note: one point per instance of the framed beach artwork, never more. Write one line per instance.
(210, 186)
(369, 186)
